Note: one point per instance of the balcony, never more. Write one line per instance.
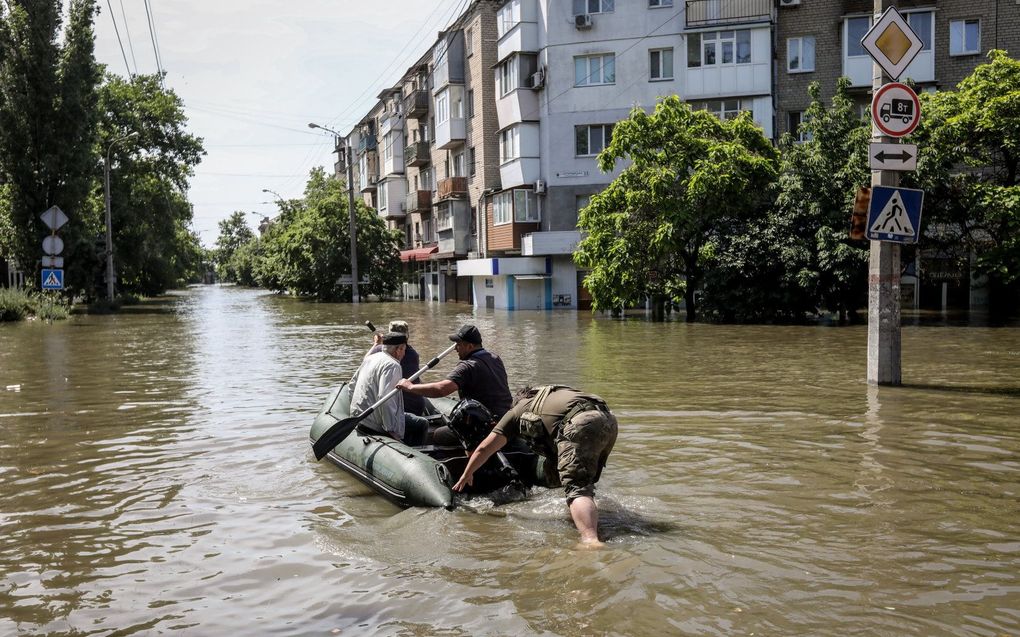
(710, 13)
(389, 122)
(451, 187)
(451, 133)
(552, 242)
(416, 104)
(418, 201)
(369, 183)
(366, 143)
(417, 154)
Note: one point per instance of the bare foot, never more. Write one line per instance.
(590, 544)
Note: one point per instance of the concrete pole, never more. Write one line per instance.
(883, 272)
(110, 276)
(349, 154)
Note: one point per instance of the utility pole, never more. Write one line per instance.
(110, 276)
(352, 220)
(883, 269)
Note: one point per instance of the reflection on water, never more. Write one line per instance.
(156, 477)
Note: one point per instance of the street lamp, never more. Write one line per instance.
(274, 193)
(109, 222)
(348, 157)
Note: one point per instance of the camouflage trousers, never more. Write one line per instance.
(582, 448)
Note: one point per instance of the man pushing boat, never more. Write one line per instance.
(561, 423)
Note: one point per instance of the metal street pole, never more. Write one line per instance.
(352, 216)
(109, 220)
(883, 271)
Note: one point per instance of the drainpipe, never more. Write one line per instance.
(480, 233)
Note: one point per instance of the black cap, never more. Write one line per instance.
(467, 333)
(394, 338)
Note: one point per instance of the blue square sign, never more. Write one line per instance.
(52, 279)
(895, 214)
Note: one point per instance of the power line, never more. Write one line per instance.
(127, 31)
(113, 18)
(155, 45)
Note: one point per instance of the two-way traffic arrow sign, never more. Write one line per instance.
(901, 157)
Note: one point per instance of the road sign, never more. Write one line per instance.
(346, 279)
(53, 279)
(895, 214)
(53, 245)
(53, 262)
(54, 218)
(892, 43)
(902, 157)
(895, 109)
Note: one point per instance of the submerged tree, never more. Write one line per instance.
(969, 167)
(691, 178)
(48, 126)
(234, 235)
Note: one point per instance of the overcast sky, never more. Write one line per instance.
(253, 73)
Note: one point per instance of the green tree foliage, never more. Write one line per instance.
(307, 249)
(234, 234)
(48, 125)
(153, 247)
(691, 178)
(797, 257)
(969, 167)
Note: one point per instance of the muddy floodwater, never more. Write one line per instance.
(156, 477)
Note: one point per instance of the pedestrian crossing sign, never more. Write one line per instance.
(52, 279)
(895, 214)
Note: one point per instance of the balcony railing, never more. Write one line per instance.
(370, 183)
(416, 104)
(708, 13)
(367, 142)
(451, 187)
(418, 201)
(417, 154)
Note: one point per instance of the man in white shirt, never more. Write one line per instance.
(378, 374)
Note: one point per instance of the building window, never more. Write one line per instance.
(471, 161)
(508, 17)
(388, 147)
(795, 119)
(509, 144)
(719, 47)
(383, 198)
(590, 139)
(725, 109)
(594, 6)
(856, 29)
(508, 76)
(594, 70)
(469, 39)
(964, 37)
(921, 23)
(526, 206)
(471, 103)
(660, 3)
(581, 201)
(660, 62)
(800, 54)
(502, 208)
(458, 165)
(442, 107)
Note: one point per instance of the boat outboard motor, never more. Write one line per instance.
(471, 421)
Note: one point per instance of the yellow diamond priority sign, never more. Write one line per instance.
(892, 43)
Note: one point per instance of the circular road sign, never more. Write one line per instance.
(895, 109)
(53, 245)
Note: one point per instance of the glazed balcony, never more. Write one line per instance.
(710, 13)
(366, 143)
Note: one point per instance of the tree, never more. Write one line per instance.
(691, 176)
(811, 222)
(307, 250)
(154, 248)
(234, 234)
(48, 126)
(969, 167)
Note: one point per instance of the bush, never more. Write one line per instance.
(50, 308)
(15, 304)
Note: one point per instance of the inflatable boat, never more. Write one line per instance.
(425, 475)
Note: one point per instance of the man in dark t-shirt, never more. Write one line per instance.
(480, 375)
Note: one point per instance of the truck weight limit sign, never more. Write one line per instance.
(895, 109)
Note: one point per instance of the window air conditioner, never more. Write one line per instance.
(789, 3)
(582, 21)
(539, 186)
(537, 80)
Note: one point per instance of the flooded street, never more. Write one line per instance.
(156, 476)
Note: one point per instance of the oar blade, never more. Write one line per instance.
(334, 436)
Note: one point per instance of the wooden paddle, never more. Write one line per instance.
(336, 434)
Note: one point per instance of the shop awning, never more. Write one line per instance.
(417, 254)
